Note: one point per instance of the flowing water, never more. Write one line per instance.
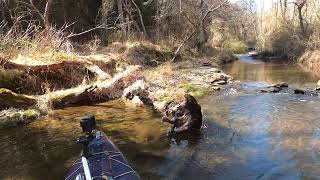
(248, 136)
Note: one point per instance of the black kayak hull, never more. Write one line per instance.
(105, 161)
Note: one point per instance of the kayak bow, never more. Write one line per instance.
(100, 159)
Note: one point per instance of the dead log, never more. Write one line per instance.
(10, 99)
(40, 68)
(101, 91)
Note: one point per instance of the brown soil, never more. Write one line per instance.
(39, 79)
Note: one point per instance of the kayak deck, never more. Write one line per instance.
(105, 162)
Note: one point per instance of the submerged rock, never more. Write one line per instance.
(15, 117)
(275, 88)
(271, 89)
(299, 91)
(216, 88)
(206, 64)
(219, 82)
(281, 85)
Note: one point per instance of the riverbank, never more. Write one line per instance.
(310, 61)
(143, 70)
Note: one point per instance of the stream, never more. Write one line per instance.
(249, 135)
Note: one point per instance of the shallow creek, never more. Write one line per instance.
(248, 135)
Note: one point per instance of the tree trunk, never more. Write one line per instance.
(64, 9)
(121, 18)
(3, 17)
(303, 30)
(158, 21)
(47, 11)
(300, 4)
(141, 18)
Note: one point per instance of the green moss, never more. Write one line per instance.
(15, 117)
(30, 114)
(187, 87)
(190, 89)
(198, 93)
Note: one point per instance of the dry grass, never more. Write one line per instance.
(310, 61)
(165, 70)
(40, 48)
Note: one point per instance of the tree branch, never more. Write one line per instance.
(195, 30)
(141, 18)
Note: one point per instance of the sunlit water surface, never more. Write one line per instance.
(248, 136)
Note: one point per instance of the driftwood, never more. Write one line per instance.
(101, 91)
(9, 99)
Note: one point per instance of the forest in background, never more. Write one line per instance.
(289, 28)
(197, 25)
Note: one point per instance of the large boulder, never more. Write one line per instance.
(275, 88)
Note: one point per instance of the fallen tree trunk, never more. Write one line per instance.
(10, 99)
(101, 91)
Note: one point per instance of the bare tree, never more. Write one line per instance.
(121, 17)
(300, 5)
(47, 11)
